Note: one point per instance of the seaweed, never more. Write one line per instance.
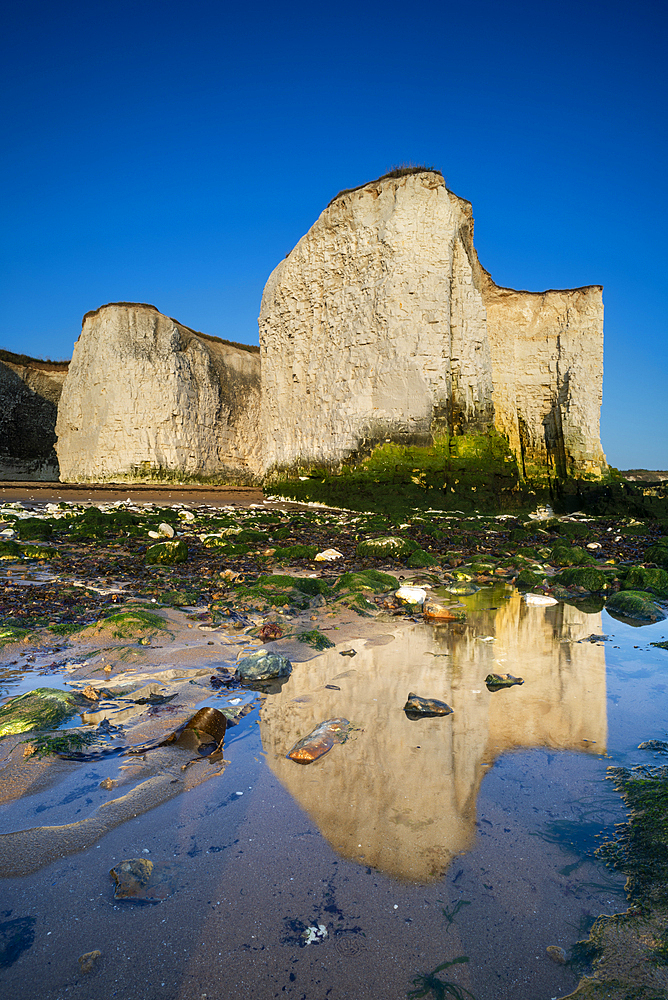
(315, 639)
(429, 982)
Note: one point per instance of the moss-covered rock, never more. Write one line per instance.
(167, 553)
(43, 708)
(640, 578)
(528, 579)
(128, 624)
(421, 559)
(634, 604)
(658, 554)
(291, 552)
(40, 552)
(587, 577)
(368, 579)
(388, 547)
(10, 550)
(8, 633)
(34, 528)
(570, 555)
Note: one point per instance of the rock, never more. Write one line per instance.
(90, 693)
(88, 962)
(421, 559)
(541, 600)
(556, 953)
(29, 393)
(329, 555)
(382, 324)
(658, 553)
(640, 578)
(634, 604)
(495, 682)
(411, 596)
(366, 579)
(10, 550)
(527, 578)
(131, 878)
(588, 577)
(261, 665)
(416, 707)
(167, 553)
(43, 708)
(389, 547)
(146, 397)
(320, 741)
(462, 589)
(166, 529)
(433, 611)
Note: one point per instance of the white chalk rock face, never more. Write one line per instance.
(145, 396)
(381, 325)
(374, 327)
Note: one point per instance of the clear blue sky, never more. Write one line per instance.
(173, 153)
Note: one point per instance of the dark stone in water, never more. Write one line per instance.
(419, 708)
(495, 682)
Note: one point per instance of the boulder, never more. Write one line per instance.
(261, 665)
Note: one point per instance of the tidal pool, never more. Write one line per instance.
(412, 844)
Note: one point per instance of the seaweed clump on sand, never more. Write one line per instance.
(628, 952)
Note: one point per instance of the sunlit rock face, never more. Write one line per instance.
(29, 394)
(400, 795)
(381, 324)
(146, 396)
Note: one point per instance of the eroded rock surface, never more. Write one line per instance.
(29, 393)
(381, 324)
(146, 397)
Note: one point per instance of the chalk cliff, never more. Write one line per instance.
(29, 393)
(382, 324)
(146, 397)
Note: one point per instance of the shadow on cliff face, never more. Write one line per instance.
(27, 430)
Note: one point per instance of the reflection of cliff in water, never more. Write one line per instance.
(401, 795)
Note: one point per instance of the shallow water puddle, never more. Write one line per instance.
(413, 843)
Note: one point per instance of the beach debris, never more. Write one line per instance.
(132, 878)
(328, 555)
(347, 652)
(540, 600)
(89, 960)
(495, 682)
(556, 953)
(269, 631)
(90, 693)
(320, 740)
(262, 665)
(417, 707)
(314, 934)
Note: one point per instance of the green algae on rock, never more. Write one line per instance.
(10, 550)
(8, 633)
(43, 708)
(629, 951)
(167, 553)
(366, 579)
(388, 547)
(640, 578)
(634, 604)
(419, 559)
(587, 577)
(128, 624)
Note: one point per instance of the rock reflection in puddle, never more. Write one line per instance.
(405, 802)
